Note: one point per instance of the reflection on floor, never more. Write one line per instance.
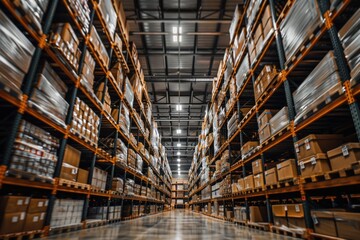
(174, 225)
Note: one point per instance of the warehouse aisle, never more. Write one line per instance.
(177, 225)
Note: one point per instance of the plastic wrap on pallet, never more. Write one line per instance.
(279, 121)
(10, 76)
(129, 94)
(66, 212)
(320, 85)
(14, 46)
(82, 10)
(48, 95)
(299, 23)
(109, 15)
(34, 11)
(234, 22)
(251, 12)
(350, 39)
(242, 72)
(139, 163)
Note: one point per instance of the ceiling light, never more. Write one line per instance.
(175, 38)
(178, 153)
(179, 165)
(178, 131)
(178, 144)
(180, 38)
(178, 169)
(178, 107)
(179, 160)
(177, 30)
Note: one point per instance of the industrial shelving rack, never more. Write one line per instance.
(18, 109)
(179, 191)
(326, 118)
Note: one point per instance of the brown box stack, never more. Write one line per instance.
(87, 72)
(344, 156)
(257, 166)
(318, 163)
(103, 92)
(286, 170)
(249, 182)
(82, 176)
(266, 23)
(265, 78)
(35, 214)
(264, 124)
(258, 213)
(71, 161)
(99, 47)
(247, 147)
(12, 213)
(271, 176)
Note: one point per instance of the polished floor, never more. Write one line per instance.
(174, 225)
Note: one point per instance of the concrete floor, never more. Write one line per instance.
(175, 225)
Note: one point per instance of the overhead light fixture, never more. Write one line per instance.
(179, 160)
(179, 165)
(178, 144)
(177, 31)
(178, 153)
(178, 131)
(178, 169)
(178, 107)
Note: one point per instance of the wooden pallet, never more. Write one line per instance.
(98, 190)
(66, 229)
(23, 235)
(318, 107)
(314, 236)
(72, 184)
(288, 183)
(275, 136)
(305, 45)
(95, 223)
(313, 178)
(296, 233)
(28, 176)
(238, 222)
(82, 137)
(354, 169)
(259, 226)
(11, 92)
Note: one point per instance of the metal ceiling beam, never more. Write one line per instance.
(182, 80)
(178, 120)
(175, 21)
(182, 53)
(186, 33)
(183, 50)
(183, 10)
(180, 137)
(176, 94)
(182, 104)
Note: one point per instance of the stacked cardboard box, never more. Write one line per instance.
(248, 147)
(87, 72)
(119, 75)
(131, 158)
(251, 13)
(286, 170)
(82, 10)
(265, 78)
(344, 156)
(349, 36)
(103, 95)
(336, 223)
(319, 87)
(124, 120)
(85, 122)
(257, 169)
(66, 212)
(139, 163)
(137, 86)
(264, 124)
(225, 186)
(99, 213)
(70, 164)
(271, 177)
(49, 95)
(129, 93)
(289, 215)
(65, 39)
(238, 46)
(129, 187)
(232, 124)
(99, 47)
(12, 213)
(311, 152)
(34, 151)
(99, 179)
(119, 8)
(240, 213)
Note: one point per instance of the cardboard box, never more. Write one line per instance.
(348, 225)
(343, 156)
(37, 205)
(324, 222)
(72, 156)
(229, 214)
(258, 214)
(316, 143)
(257, 166)
(34, 221)
(318, 163)
(241, 184)
(247, 147)
(82, 176)
(271, 176)
(12, 222)
(68, 172)
(265, 117)
(9, 204)
(259, 181)
(266, 15)
(286, 170)
(279, 121)
(249, 182)
(264, 133)
(279, 215)
(295, 214)
(258, 35)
